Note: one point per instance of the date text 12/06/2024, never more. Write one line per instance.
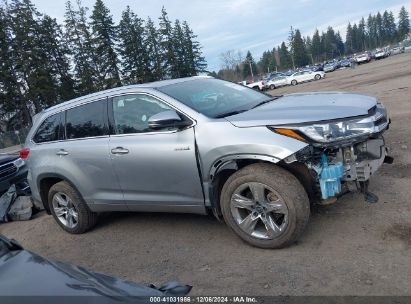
(204, 299)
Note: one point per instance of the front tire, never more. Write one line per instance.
(69, 209)
(317, 77)
(265, 205)
(272, 87)
(294, 82)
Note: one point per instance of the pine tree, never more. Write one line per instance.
(372, 32)
(340, 43)
(166, 45)
(30, 63)
(330, 43)
(316, 46)
(308, 44)
(323, 39)
(285, 57)
(154, 56)
(361, 35)
(56, 55)
(355, 43)
(391, 28)
(267, 62)
(132, 48)
(349, 47)
(181, 67)
(380, 30)
(78, 38)
(290, 45)
(11, 99)
(250, 68)
(299, 51)
(194, 59)
(104, 38)
(403, 23)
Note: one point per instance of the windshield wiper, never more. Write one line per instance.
(266, 101)
(229, 113)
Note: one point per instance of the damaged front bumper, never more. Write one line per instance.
(337, 170)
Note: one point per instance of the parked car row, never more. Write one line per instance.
(281, 79)
(317, 71)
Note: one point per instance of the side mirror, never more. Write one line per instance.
(167, 119)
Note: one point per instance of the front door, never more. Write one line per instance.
(157, 169)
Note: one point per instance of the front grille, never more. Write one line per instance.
(7, 170)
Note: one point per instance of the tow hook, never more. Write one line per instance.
(369, 197)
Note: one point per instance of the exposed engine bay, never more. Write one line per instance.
(337, 170)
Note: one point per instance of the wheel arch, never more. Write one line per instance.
(223, 168)
(228, 166)
(45, 182)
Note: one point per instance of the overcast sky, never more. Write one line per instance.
(254, 25)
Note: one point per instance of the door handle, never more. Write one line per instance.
(119, 150)
(62, 152)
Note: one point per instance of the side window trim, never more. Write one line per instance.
(110, 116)
(112, 131)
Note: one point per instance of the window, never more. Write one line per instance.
(131, 112)
(88, 120)
(49, 130)
(213, 97)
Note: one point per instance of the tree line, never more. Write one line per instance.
(378, 31)
(43, 63)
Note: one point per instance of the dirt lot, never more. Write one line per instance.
(349, 248)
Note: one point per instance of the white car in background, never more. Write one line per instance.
(304, 76)
(276, 82)
(362, 58)
(257, 85)
(381, 53)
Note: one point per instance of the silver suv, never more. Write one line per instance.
(200, 144)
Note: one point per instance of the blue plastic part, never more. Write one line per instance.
(330, 178)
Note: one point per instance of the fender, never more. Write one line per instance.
(229, 162)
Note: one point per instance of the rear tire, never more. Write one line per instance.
(272, 87)
(281, 191)
(69, 209)
(317, 77)
(294, 82)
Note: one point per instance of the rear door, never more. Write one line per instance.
(84, 158)
(157, 169)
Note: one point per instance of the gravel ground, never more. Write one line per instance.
(349, 248)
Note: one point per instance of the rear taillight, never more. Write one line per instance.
(24, 153)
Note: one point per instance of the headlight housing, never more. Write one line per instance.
(339, 130)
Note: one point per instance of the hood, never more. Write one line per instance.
(305, 107)
(6, 158)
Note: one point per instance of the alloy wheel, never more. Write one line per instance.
(259, 210)
(64, 209)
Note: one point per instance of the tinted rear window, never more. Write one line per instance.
(88, 120)
(49, 130)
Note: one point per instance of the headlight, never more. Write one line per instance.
(338, 130)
